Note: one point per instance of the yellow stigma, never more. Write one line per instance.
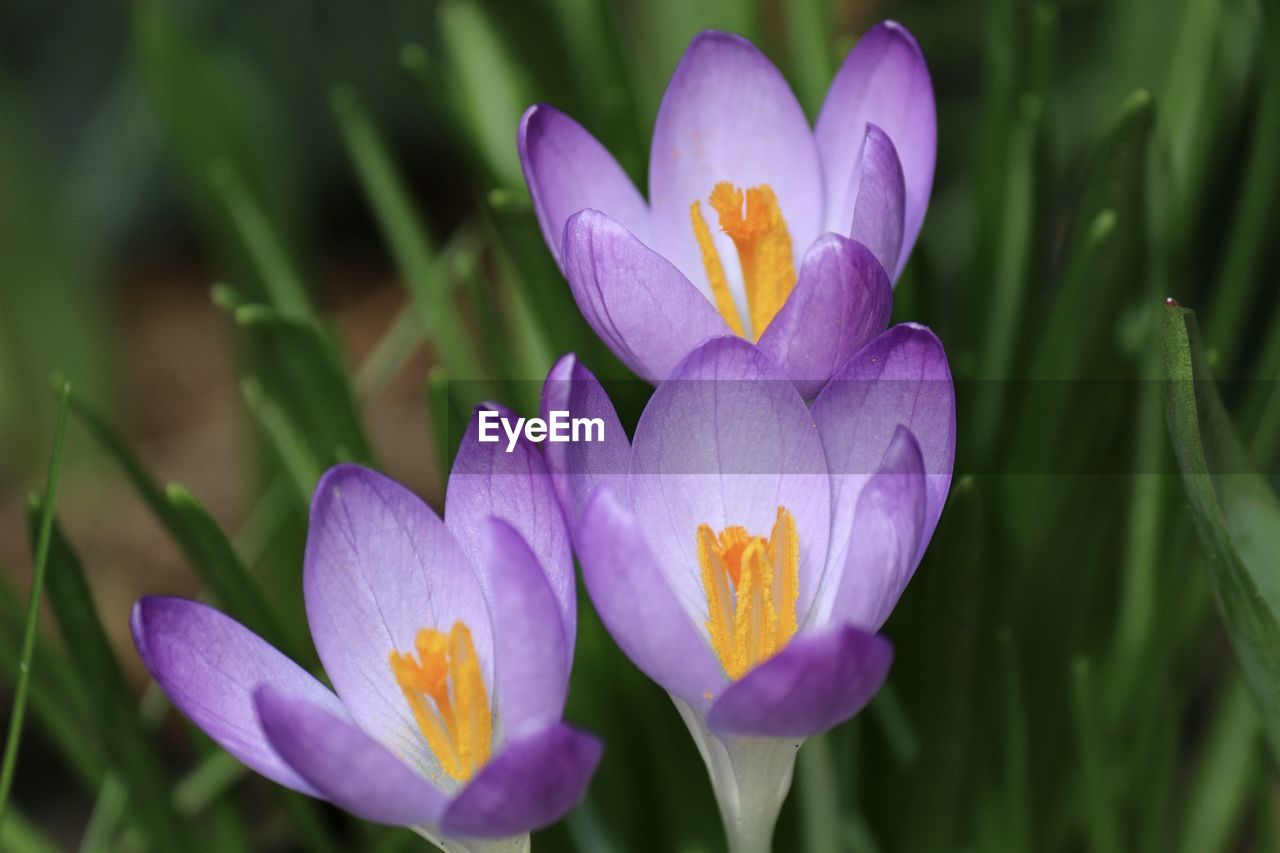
(754, 222)
(445, 689)
(752, 584)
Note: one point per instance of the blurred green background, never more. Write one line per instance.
(258, 238)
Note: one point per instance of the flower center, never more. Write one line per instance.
(445, 690)
(752, 584)
(754, 222)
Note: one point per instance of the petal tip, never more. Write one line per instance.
(892, 29)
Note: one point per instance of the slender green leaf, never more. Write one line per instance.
(1249, 233)
(1236, 514)
(424, 272)
(133, 756)
(219, 566)
(1001, 338)
(39, 565)
(809, 26)
(202, 541)
(211, 107)
(446, 418)
(303, 467)
(57, 698)
(1225, 773)
(1104, 250)
(820, 796)
(1097, 797)
(282, 282)
(1016, 782)
(300, 372)
(487, 89)
(19, 835)
(896, 727)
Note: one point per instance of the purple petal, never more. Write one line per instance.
(885, 82)
(567, 170)
(209, 665)
(878, 200)
(885, 537)
(532, 783)
(635, 300)
(578, 467)
(842, 299)
(532, 663)
(487, 481)
(380, 566)
(726, 440)
(638, 607)
(817, 681)
(900, 378)
(346, 766)
(728, 115)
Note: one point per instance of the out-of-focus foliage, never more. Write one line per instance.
(1062, 681)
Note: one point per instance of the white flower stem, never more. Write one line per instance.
(519, 844)
(750, 778)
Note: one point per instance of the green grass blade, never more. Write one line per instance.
(406, 235)
(1225, 773)
(487, 89)
(220, 567)
(208, 107)
(1250, 231)
(39, 567)
(820, 796)
(809, 24)
(1139, 596)
(19, 835)
(302, 466)
(1104, 248)
(1237, 516)
(201, 540)
(275, 269)
(1015, 793)
(300, 371)
(1096, 794)
(1012, 264)
(57, 699)
(133, 756)
(446, 418)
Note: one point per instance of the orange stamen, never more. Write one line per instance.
(753, 220)
(457, 725)
(751, 584)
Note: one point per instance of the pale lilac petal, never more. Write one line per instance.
(568, 170)
(636, 604)
(842, 299)
(727, 440)
(728, 115)
(488, 481)
(346, 766)
(530, 784)
(899, 379)
(578, 467)
(817, 681)
(879, 199)
(885, 82)
(531, 660)
(636, 301)
(885, 538)
(209, 665)
(380, 566)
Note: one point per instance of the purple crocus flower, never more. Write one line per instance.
(744, 549)
(756, 225)
(448, 645)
